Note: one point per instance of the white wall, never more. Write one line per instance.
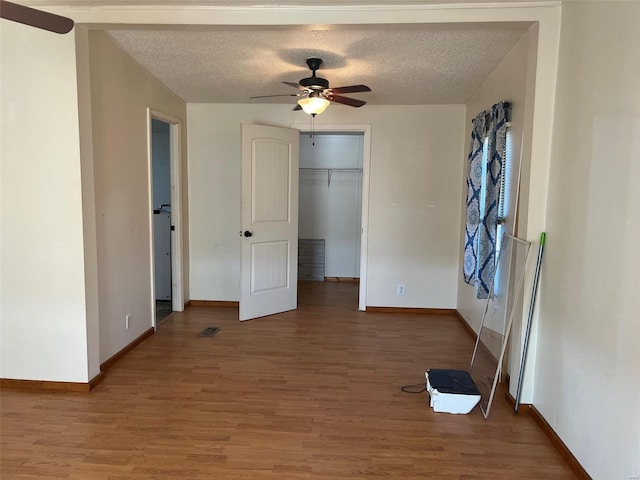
(42, 284)
(587, 381)
(330, 208)
(415, 195)
(214, 193)
(121, 93)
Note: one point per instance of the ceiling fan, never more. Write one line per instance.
(315, 92)
(35, 18)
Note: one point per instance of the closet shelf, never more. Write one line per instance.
(330, 171)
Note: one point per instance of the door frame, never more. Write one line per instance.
(175, 163)
(365, 129)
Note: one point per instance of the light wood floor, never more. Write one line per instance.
(309, 394)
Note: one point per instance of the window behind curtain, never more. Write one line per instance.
(506, 206)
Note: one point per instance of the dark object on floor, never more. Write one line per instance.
(311, 259)
(452, 381)
(163, 309)
(209, 332)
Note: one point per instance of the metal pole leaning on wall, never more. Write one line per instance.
(534, 291)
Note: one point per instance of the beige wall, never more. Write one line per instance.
(416, 164)
(587, 381)
(121, 92)
(512, 80)
(507, 82)
(43, 330)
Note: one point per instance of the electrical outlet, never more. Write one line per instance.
(127, 321)
(400, 289)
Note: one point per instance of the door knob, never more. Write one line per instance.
(248, 234)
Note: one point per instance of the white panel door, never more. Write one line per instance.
(269, 271)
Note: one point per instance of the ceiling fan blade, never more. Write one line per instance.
(35, 18)
(295, 85)
(297, 107)
(284, 95)
(352, 102)
(351, 89)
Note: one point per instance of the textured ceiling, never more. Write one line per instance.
(403, 64)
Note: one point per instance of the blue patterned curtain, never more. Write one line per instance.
(482, 206)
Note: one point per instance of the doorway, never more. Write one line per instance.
(165, 218)
(161, 191)
(332, 208)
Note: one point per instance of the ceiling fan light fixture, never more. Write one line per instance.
(315, 95)
(313, 105)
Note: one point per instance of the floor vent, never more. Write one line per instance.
(209, 332)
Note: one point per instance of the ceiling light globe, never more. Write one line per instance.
(313, 105)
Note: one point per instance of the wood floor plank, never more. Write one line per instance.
(308, 394)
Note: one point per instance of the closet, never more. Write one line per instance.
(330, 206)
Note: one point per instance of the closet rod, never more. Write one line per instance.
(330, 171)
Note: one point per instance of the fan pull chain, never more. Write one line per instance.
(312, 123)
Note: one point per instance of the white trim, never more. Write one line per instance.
(366, 166)
(542, 118)
(177, 272)
(152, 269)
(95, 15)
